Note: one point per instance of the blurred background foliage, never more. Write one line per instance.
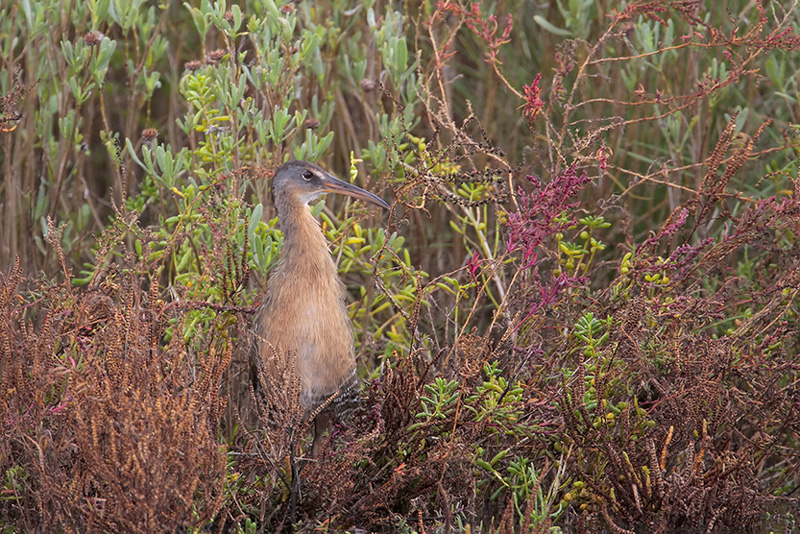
(504, 322)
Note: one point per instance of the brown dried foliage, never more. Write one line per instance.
(115, 429)
(277, 403)
(434, 474)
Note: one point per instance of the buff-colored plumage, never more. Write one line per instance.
(304, 311)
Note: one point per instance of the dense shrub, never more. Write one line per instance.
(581, 314)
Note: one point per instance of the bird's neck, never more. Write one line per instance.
(304, 246)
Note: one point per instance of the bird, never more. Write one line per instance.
(303, 315)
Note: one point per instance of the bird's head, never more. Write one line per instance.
(306, 182)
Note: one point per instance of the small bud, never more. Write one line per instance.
(229, 16)
(313, 124)
(368, 85)
(193, 65)
(148, 134)
(214, 56)
(93, 38)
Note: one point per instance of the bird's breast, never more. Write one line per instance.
(305, 315)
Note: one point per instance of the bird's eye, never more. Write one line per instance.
(308, 175)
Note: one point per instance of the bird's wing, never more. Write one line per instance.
(344, 399)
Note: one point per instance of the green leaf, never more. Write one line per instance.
(255, 218)
(544, 23)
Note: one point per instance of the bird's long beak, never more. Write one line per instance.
(335, 185)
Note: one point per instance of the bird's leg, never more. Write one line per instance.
(321, 423)
(294, 489)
